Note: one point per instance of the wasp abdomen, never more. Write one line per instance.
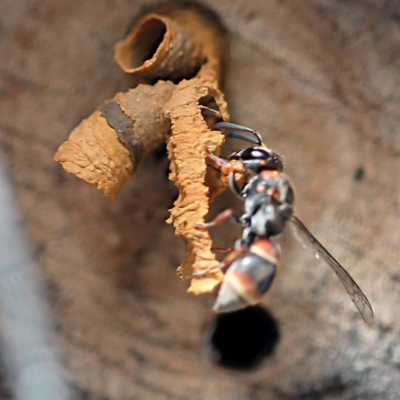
(248, 278)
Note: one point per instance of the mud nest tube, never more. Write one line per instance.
(177, 54)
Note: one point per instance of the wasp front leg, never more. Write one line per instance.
(220, 163)
(222, 217)
(219, 219)
(232, 169)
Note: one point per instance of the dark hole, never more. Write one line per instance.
(150, 38)
(359, 174)
(160, 153)
(210, 111)
(160, 157)
(241, 339)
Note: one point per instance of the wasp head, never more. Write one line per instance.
(258, 159)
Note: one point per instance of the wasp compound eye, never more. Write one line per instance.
(243, 338)
(256, 154)
(252, 153)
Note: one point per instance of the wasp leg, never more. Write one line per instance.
(226, 168)
(225, 263)
(234, 186)
(221, 217)
(223, 165)
(206, 271)
(221, 249)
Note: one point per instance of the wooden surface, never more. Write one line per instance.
(320, 79)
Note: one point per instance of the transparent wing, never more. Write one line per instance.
(356, 294)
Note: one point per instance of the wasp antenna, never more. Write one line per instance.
(235, 127)
(240, 136)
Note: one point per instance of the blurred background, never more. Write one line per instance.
(320, 79)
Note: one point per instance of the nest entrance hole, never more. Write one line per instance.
(243, 338)
(148, 40)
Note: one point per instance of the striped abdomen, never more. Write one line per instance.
(248, 277)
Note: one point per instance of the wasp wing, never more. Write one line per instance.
(356, 294)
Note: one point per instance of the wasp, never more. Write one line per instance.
(268, 198)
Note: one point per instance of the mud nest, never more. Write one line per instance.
(176, 57)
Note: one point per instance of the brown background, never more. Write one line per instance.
(321, 80)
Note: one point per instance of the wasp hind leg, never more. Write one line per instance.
(225, 263)
(206, 271)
